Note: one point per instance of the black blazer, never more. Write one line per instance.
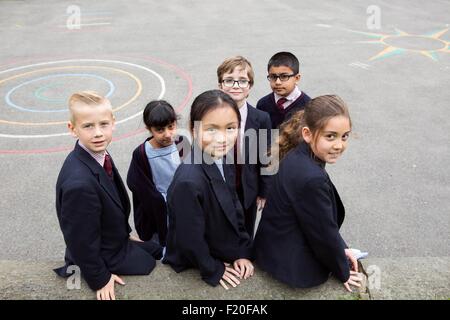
(149, 206)
(268, 104)
(253, 183)
(206, 222)
(298, 240)
(93, 213)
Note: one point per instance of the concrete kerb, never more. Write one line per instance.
(36, 280)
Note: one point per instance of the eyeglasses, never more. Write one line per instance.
(242, 83)
(283, 77)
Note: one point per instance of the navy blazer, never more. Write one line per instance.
(206, 222)
(93, 213)
(277, 117)
(149, 206)
(298, 240)
(253, 183)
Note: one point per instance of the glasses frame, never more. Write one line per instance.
(278, 76)
(236, 81)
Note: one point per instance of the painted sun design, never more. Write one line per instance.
(400, 42)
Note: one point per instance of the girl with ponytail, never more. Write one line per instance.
(298, 240)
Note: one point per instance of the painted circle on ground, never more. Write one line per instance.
(39, 93)
(179, 72)
(138, 92)
(85, 75)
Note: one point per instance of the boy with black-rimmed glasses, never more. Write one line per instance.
(285, 98)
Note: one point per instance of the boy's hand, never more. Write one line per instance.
(244, 267)
(107, 292)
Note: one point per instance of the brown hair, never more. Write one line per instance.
(315, 116)
(231, 63)
(89, 98)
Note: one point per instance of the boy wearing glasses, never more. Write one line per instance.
(286, 98)
(235, 77)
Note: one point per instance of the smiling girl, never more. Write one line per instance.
(206, 221)
(298, 240)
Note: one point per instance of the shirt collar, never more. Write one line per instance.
(98, 156)
(243, 111)
(291, 97)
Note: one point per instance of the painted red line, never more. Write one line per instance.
(179, 108)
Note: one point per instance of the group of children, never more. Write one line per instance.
(200, 206)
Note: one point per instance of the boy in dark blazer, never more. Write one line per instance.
(236, 77)
(93, 206)
(286, 98)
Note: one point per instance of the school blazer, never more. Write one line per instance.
(93, 216)
(206, 222)
(253, 183)
(298, 240)
(149, 206)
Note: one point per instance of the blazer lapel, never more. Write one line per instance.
(120, 187)
(97, 170)
(222, 192)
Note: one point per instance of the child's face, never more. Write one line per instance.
(164, 136)
(218, 131)
(93, 125)
(238, 93)
(330, 143)
(283, 88)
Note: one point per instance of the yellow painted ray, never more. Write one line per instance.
(438, 34)
(429, 54)
(387, 52)
(401, 33)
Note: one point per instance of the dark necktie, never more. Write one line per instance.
(108, 165)
(280, 103)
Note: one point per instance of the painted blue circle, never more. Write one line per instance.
(12, 104)
(38, 92)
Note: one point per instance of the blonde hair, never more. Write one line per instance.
(90, 98)
(315, 116)
(231, 63)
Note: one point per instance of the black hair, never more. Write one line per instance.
(159, 113)
(210, 100)
(284, 59)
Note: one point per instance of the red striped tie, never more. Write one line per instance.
(280, 103)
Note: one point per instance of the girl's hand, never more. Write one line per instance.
(354, 280)
(244, 267)
(351, 257)
(107, 292)
(230, 276)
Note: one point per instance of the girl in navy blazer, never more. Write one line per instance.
(206, 222)
(298, 240)
(152, 168)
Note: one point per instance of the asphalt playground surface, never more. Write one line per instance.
(394, 178)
